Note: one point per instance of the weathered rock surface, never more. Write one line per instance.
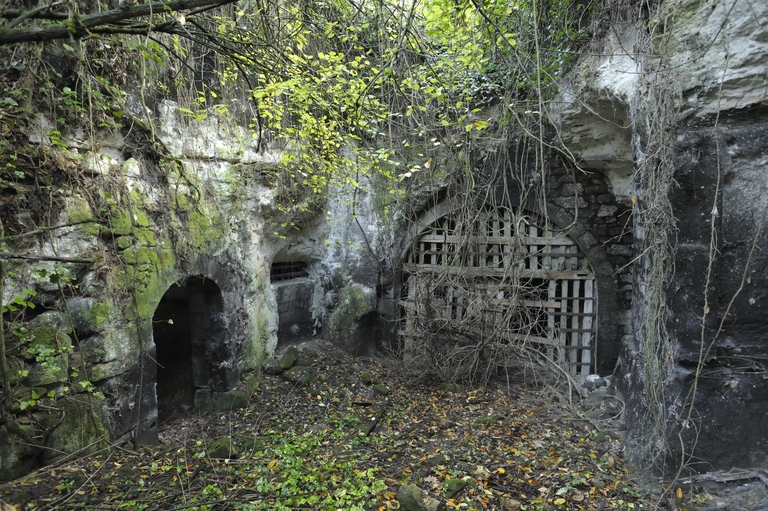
(413, 498)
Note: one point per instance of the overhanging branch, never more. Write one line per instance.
(34, 257)
(82, 26)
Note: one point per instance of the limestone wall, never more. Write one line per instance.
(143, 221)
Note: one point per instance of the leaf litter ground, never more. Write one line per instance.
(336, 443)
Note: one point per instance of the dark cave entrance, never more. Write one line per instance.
(189, 330)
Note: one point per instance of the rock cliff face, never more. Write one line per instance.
(183, 238)
(708, 59)
(163, 300)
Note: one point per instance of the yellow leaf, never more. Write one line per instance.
(559, 501)
(500, 471)
(679, 492)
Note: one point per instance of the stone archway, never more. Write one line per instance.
(473, 273)
(191, 348)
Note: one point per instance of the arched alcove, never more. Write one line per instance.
(501, 274)
(295, 295)
(189, 332)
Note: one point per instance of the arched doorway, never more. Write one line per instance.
(190, 344)
(501, 275)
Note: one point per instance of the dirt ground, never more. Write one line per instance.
(337, 432)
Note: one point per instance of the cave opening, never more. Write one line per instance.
(187, 327)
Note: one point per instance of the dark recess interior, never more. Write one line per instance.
(183, 325)
(288, 270)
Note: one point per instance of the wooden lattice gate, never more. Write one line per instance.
(503, 276)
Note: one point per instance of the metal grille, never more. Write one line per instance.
(504, 275)
(288, 270)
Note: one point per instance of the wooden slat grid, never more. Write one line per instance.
(471, 276)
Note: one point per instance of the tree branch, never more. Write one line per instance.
(32, 257)
(41, 11)
(80, 27)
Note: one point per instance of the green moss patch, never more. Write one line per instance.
(80, 427)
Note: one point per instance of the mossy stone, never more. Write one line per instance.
(380, 389)
(17, 369)
(119, 345)
(46, 340)
(53, 370)
(204, 227)
(136, 196)
(141, 219)
(99, 372)
(222, 448)
(124, 242)
(345, 327)
(17, 457)
(454, 485)
(26, 395)
(259, 335)
(58, 319)
(249, 444)
(289, 358)
(79, 210)
(131, 167)
(146, 237)
(353, 303)
(141, 255)
(120, 223)
(226, 401)
(252, 381)
(101, 312)
(80, 428)
(90, 314)
(412, 498)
